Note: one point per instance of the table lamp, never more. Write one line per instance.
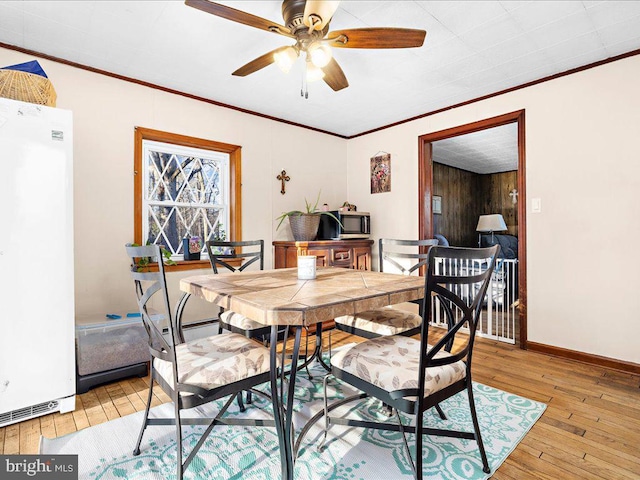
(490, 223)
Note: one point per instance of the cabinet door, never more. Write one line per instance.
(286, 257)
(362, 257)
(323, 256)
(280, 257)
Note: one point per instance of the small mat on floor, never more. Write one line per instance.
(252, 453)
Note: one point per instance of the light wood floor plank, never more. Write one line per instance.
(549, 442)
(542, 469)
(133, 396)
(80, 415)
(612, 467)
(30, 436)
(107, 405)
(624, 460)
(515, 471)
(47, 425)
(626, 435)
(64, 424)
(579, 467)
(12, 439)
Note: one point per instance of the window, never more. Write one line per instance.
(185, 186)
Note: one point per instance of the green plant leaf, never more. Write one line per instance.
(309, 210)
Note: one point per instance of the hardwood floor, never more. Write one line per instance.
(590, 429)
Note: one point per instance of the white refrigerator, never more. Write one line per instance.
(37, 349)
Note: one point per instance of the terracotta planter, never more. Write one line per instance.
(304, 227)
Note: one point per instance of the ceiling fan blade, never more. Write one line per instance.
(260, 62)
(320, 9)
(376, 38)
(334, 76)
(239, 16)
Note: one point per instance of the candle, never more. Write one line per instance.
(306, 267)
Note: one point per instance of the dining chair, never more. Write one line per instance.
(410, 374)
(406, 257)
(236, 257)
(195, 372)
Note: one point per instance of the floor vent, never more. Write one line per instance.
(28, 412)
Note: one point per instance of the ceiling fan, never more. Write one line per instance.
(307, 22)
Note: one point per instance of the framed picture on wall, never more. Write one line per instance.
(437, 204)
(381, 173)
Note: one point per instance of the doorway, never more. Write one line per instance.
(426, 195)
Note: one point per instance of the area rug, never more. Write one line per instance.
(252, 453)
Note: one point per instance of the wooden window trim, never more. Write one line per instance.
(234, 231)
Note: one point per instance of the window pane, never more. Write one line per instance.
(185, 194)
(212, 192)
(166, 227)
(215, 218)
(164, 176)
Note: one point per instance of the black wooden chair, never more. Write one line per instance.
(411, 375)
(406, 257)
(195, 372)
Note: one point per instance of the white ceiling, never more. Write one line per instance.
(471, 49)
(488, 151)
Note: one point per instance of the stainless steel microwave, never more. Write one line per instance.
(354, 225)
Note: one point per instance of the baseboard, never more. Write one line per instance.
(584, 357)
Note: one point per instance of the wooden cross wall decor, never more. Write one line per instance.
(283, 177)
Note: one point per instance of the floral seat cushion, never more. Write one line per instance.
(240, 321)
(383, 321)
(214, 361)
(391, 363)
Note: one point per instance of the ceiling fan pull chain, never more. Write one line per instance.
(304, 89)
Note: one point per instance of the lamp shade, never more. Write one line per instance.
(491, 223)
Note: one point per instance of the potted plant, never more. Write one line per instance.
(142, 263)
(304, 224)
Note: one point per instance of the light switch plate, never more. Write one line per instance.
(536, 205)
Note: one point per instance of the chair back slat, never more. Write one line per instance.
(247, 252)
(457, 279)
(394, 251)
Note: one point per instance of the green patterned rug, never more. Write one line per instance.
(351, 454)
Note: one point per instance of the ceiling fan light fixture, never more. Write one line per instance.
(314, 73)
(318, 13)
(285, 58)
(320, 54)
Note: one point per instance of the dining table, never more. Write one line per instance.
(279, 298)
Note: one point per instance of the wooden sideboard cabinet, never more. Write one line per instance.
(354, 254)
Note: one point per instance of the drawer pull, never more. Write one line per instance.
(342, 255)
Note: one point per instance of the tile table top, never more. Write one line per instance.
(277, 297)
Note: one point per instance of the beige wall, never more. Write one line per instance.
(105, 111)
(583, 163)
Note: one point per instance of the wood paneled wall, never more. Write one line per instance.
(466, 196)
(460, 194)
(494, 197)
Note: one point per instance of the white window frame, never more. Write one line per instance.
(185, 151)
